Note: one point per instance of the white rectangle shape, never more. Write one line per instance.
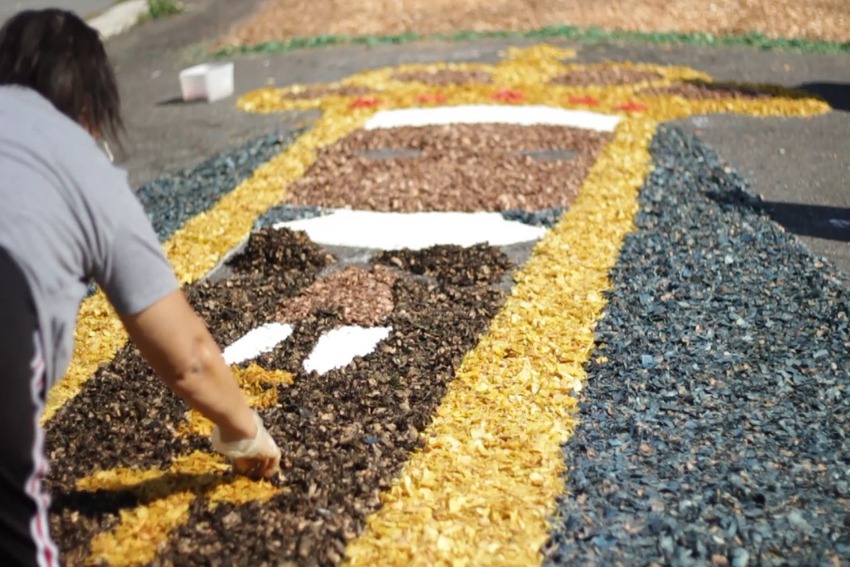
(338, 347)
(415, 231)
(256, 342)
(208, 81)
(493, 114)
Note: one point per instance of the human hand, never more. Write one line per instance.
(255, 458)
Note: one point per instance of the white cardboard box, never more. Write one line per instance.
(208, 81)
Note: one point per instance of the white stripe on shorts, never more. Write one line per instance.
(46, 552)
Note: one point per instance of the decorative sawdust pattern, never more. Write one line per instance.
(488, 415)
(487, 167)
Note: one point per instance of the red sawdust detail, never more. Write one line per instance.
(430, 98)
(631, 106)
(364, 102)
(585, 100)
(508, 95)
(362, 297)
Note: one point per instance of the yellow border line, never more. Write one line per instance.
(511, 406)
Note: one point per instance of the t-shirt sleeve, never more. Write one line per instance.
(133, 270)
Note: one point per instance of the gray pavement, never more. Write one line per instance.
(85, 8)
(800, 166)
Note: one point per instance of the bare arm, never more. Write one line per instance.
(176, 343)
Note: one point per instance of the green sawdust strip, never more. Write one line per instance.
(482, 489)
(590, 34)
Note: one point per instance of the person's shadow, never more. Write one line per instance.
(836, 94)
(818, 221)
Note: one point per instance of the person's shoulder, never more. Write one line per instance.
(30, 117)
(30, 121)
(25, 103)
(64, 154)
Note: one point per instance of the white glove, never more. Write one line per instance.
(256, 458)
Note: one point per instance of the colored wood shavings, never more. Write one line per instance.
(321, 91)
(165, 498)
(430, 98)
(345, 291)
(607, 75)
(298, 23)
(631, 106)
(702, 89)
(632, 469)
(585, 100)
(98, 336)
(342, 176)
(258, 385)
(509, 96)
(448, 76)
(364, 102)
(483, 486)
(507, 463)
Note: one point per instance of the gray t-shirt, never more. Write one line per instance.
(68, 215)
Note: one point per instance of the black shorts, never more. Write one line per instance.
(24, 535)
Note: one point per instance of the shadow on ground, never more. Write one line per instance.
(836, 94)
(831, 223)
(178, 100)
(816, 221)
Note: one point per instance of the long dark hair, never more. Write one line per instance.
(57, 54)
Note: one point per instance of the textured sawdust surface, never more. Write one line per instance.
(287, 19)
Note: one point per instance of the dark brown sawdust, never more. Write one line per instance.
(362, 297)
(344, 434)
(440, 77)
(707, 91)
(273, 251)
(456, 266)
(606, 76)
(459, 168)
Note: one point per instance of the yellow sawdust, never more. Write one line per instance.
(165, 497)
(259, 387)
(98, 336)
(141, 532)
